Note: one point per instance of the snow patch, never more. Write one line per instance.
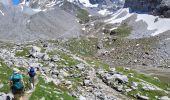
(161, 25)
(114, 18)
(85, 3)
(104, 12)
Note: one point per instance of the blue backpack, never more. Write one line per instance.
(17, 84)
(32, 72)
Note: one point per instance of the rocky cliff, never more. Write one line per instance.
(156, 7)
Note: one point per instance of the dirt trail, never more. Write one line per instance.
(28, 93)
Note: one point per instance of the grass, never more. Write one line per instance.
(49, 91)
(82, 46)
(22, 53)
(138, 77)
(5, 73)
(66, 59)
(83, 15)
(122, 31)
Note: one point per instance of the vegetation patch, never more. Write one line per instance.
(83, 15)
(145, 79)
(49, 91)
(82, 46)
(5, 73)
(22, 53)
(122, 31)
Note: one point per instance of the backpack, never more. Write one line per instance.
(17, 84)
(31, 72)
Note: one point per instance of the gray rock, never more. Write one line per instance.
(82, 97)
(1, 85)
(87, 82)
(140, 97)
(45, 57)
(55, 58)
(164, 98)
(121, 78)
(80, 66)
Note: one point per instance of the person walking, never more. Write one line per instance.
(32, 73)
(17, 84)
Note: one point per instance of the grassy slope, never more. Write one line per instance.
(49, 91)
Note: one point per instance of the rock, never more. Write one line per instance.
(128, 90)
(45, 57)
(63, 73)
(164, 98)
(35, 49)
(55, 58)
(68, 83)
(82, 98)
(121, 78)
(80, 66)
(134, 85)
(87, 82)
(1, 85)
(140, 97)
(148, 88)
(119, 88)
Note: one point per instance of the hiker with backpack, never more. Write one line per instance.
(17, 84)
(32, 73)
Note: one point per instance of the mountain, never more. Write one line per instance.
(156, 7)
(22, 23)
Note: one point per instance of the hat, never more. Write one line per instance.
(16, 70)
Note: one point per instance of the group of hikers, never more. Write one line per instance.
(17, 83)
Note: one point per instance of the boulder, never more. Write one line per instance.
(45, 57)
(121, 78)
(82, 97)
(35, 49)
(164, 98)
(87, 82)
(55, 58)
(80, 66)
(140, 97)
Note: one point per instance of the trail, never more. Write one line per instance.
(28, 93)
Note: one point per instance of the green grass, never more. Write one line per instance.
(5, 73)
(49, 91)
(22, 53)
(82, 46)
(83, 15)
(146, 78)
(122, 31)
(67, 59)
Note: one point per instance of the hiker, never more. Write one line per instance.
(17, 84)
(32, 73)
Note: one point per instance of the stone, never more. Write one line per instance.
(121, 78)
(80, 66)
(55, 58)
(82, 97)
(148, 88)
(68, 82)
(140, 97)
(1, 85)
(87, 82)
(164, 98)
(35, 49)
(45, 57)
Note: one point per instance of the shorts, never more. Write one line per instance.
(18, 92)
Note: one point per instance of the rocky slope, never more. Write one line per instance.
(68, 76)
(21, 24)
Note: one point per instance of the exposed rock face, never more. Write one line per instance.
(156, 7)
